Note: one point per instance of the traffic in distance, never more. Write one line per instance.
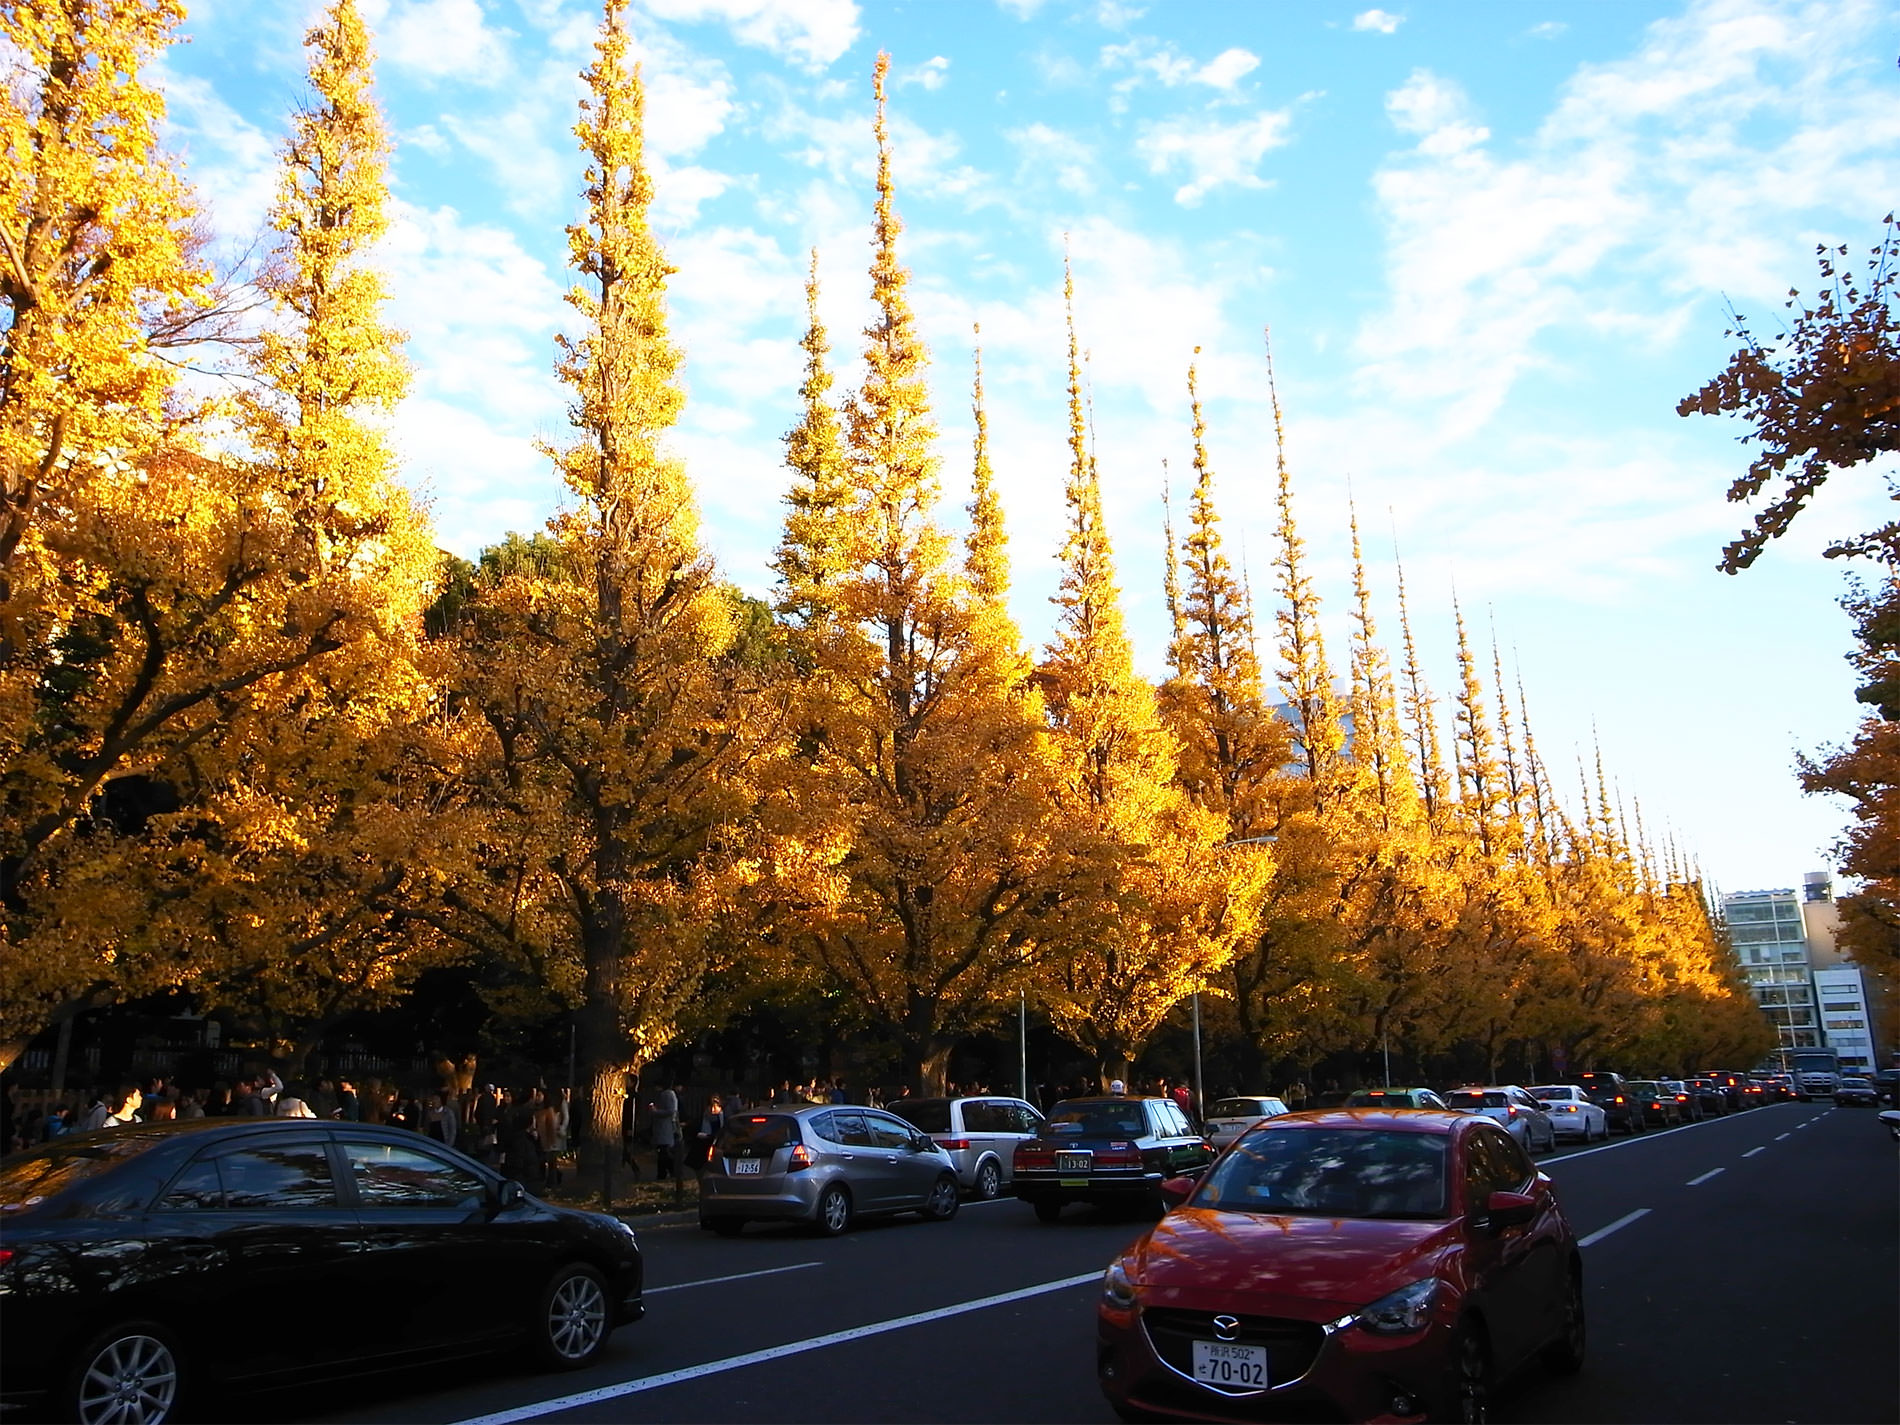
(1395, 1257)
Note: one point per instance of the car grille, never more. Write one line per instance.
(1291, 1345)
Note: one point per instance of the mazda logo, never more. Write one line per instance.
(1226, 1327)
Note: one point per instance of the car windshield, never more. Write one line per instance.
(1237, 1108)
(1548, 1092)
(1476, 1098)
(926, 1115)
(1338, 1172)
(1096, 1120)
(1856, 1084)
(28, 1180)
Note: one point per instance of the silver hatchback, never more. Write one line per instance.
(979, 1134)
(823, 1165)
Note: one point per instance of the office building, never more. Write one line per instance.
(1770, 939)
(1845, 1016)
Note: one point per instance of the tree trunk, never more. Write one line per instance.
(1113, 1064)
(930, 1066)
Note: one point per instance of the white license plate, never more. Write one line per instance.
(1074, 1162)
(1218, 1363)
(747, 1167)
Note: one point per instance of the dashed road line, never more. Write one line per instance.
(735, 1277)
(1620, 1223)
(1753, 1151)
(1711, 1173)
(1780, 1136)
(539, 1408)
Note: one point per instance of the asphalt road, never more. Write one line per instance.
(1744, 1269)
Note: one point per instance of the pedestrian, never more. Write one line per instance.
(521, 1157)
(192, 1105)
(104, 1115)
(547, 1134)
(711, 1124)
(347, 1107)
(665, 1109)
(288, 1105)
(439, 1119)
(247, 1102)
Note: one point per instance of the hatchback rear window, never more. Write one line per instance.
(1472, 1098)
(929, 1115)
(758, 1133)
(1547, 1092)
(1236, 1108)
(1344, 1172)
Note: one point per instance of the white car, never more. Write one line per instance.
(1572, 1114)
(979, 1134)
(1513, 1110)
(1228, 1118)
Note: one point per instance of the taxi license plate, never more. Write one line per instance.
(746, 1167)
(1074, 1162)
(1218, 1363)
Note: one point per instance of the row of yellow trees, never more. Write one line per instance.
(261, 742)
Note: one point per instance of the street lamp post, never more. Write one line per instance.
(1200, 1096)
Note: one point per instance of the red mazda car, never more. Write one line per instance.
(1345, 1265)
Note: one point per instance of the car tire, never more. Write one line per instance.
(1048, 1209)
(834, 1211)
(725, 1226)
(942, 1203)
(1564, 1356)
(574, 1318)
(989, 1179)
(1468, 1399)
(131, 1372)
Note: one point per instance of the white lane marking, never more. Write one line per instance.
(1711, 1173)
(1620, 1223)
(1780, 1136)
(771, 1353)
(1753, 1151)
(735, 1277)
(1643, 1138)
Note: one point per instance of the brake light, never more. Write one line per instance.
(1035, 1157)
(801, 1158)
(1513, 1110)
(953, 1145)
(1619, 1098)
(6, 1255)
(1110, 1158)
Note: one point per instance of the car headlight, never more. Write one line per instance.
(1117, 1289)
(1405, 1310)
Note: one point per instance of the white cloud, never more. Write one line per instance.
(1117, 15)
(1213, 154)
(1548, 30)
(1048, 153)
(932, 74)
(1166, 65)
(440, 39)
(1020, 9)
(1647, 177)
(1382, 21)
(809, 33)
(233, 161)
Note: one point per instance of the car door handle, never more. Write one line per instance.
(847, 1157)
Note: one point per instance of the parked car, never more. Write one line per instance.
(1778, 1086)
(824, 1166)
(1349, 1265)
(1611, 1093)
(979, 1134)
(1112, 1149)
(1659, 1105)
(1512, 1109)
(1573, 1113)
(1854, 1092)
(1886, 1083)
(1688, 1102)
(131, 1259)
(1394, 1098)
(1228, 1118)
(1735, 1086)
(1891, 1118)
(1713, 1097)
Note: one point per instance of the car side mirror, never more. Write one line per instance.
(509, 1194)
(922, 1143)
(1176, 1191)
(1508, 1209)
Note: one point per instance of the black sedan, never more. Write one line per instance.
(1113, 1149)
(141, 1265)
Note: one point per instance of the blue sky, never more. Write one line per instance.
(1493, 243)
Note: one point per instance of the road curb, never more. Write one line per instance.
(659, 1219)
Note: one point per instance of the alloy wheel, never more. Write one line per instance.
(989, 1180)
(941, 1205)
(834, 1211)
(1474, 1377)
(577, 1316)
(132, 1380)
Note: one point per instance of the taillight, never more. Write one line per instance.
(953, 1145)
(6, 1255)
(801, 1158)
(1513, 1110)
(1619, 1098)
(1113, 1158)
(1035, 1157)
